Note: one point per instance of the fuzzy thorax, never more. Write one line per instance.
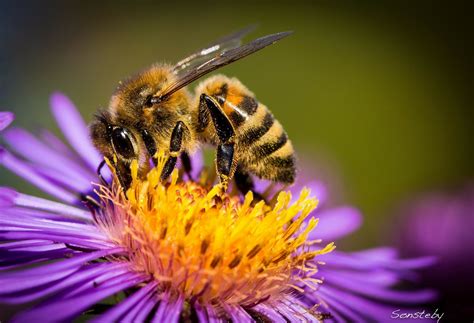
(204, 245)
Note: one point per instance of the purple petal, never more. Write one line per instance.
(31, 148)
(369, 309)
(378, 253)
(336, 223)
(7, 196)
(10, 285)
(108, 279)
(29, 234)
(318, 190)
(201, 313)
(121, 309)
(54, 227)
(6, 118)
(343, 260)
(74, 128)
(60, 266)
(382, 257)
(378, 277)
(146, 308)
(168, 311)
(52, 140)
(211, 314)
(387, 257)
(409, 264)
(293, 311)
(18, 260)
(299, 309)
(262, 185)
(383, 254)
(197, 164)
(352, 261)
(377, 292)
(23, 244)
(175, 310)
(46, 205)
(28, 173)
(237, 314)
(269, 312)
(40, 251)
(144, 302)
(336, 306)
(17, 211)
(82, 276)
(38, 248)
(284, 310)
(65, 309)
(26, 218)
(67, 182)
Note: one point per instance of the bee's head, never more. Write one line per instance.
(135, 102)
(134, 126)
(116, 142)
(141, 92)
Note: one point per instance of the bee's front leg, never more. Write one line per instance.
(99, 172)
(175, 147)
(225, 159)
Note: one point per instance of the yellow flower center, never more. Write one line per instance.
(205, 245)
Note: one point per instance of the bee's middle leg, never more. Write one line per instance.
(225, 159)
(175, 147)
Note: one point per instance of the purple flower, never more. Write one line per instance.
(174, 251)
(440, 224)
(432, 220)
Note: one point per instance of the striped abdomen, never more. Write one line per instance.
(262, 145)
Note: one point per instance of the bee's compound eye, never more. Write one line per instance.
(122, 143)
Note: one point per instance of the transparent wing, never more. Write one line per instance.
(227, 42)
(217, 60)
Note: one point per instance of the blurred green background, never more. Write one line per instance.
(376, 94)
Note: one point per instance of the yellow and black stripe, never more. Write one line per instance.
(261, 142)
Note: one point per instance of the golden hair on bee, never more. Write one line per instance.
(153, 111)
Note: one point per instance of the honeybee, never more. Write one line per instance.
(153, 110)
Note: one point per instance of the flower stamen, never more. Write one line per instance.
(209, 246)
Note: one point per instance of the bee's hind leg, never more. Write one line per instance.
(225, 159)
(244, 183)
(175, 147)
(187, 165)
